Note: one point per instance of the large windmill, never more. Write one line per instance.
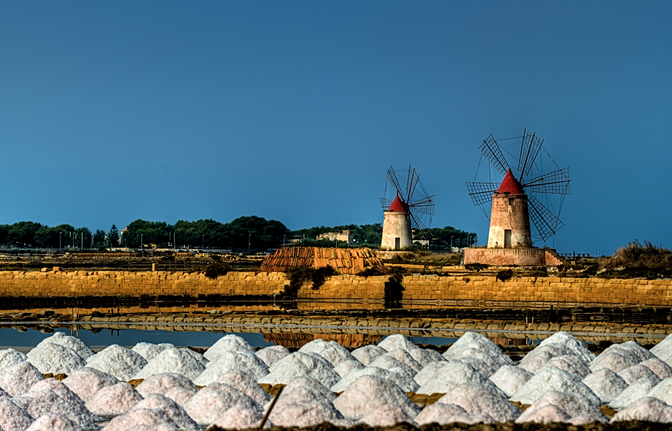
(411, 209)
(513, 200)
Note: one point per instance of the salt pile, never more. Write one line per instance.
(305, 414)
(426, 356)
(231, 361)
(272, 354)
(86, 381)
(662, 369)
(645, 409)
(118, 361)
(305, 381)
(171, 408)
(240, 417)
(397, 341)
(441, 414)
(615, 359)
(546, 414)
(69, 341)
(13, 417)
(509, 378)
(407, 384)
(389, 363)
(60, 389)
(573, 405)
(55, 359)
(490, 353)
(228, 343)
(345, 367)
(301, 364)
(571, 364)
(43, 402)
(113, 400)
(368, 354)
(606, 384)
(163, 383)
(635, 348)
(386, 415)
(405, 358)
(636, 372)
(172, 360)
(553, 379)
(336, 354)
(477, 399)
(299, 394)
(17, 379)
(214, 400)
(242, 381)
(53, 422)
(368, 393)
(200, 358)
(451, 376)
(568, 341)
(663, 350)
(150, 350)
(662, 391)
(428, 371)
(479, 365)
(316, 346)
(136, 419)
(9, 357)
(537, 358)
(637, 390)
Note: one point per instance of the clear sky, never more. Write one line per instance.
(293, 110)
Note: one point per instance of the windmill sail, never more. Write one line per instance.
(528, 152)
(481, 192)
(556, 182)
(493, 153)
(544, 220)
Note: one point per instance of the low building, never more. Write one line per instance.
(344, 236)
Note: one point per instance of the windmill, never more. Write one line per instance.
(513, 200)
(411, 209)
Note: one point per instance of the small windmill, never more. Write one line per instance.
(411, 208)
(512, 208)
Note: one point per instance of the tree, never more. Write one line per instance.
(22, 233)
(113, 236)
(99, 238)
(4, 230)
(83, 237)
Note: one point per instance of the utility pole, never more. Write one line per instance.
(59, 241)
(249, 241)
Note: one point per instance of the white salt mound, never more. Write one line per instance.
(572, 404)
(663, 350)
(509, 378)
(150, 350)
(479, 365)
(302, 395)
(118, 361)
(389, 363)
(114, 400)
(397, 341)
(491, 361)
(86, 381)
(564, 365)
(180, 395)
(231, 361)
(59, 389)
(242, 381)
(336, 354)
(215, 399)
(662, 369)
(476, 341)
(142, 417)
(239, 417)
(616, 360)
(645, 409)
(636, 372)
(200, 358)
(637, 390)
(553, 379)
(55, 358)
(635, 348)
(567, 340)
(405, 357)
(543, 415)
(172, 409)
(537, 358)
(10, 357)
(272, 354)
(162, 383)
(406, 383)
(386, 416)
(477, 399)
(426, 356)
(662, 391)
(54, 422)
(440, 413)
(305, 414)
(606, 384)
(368, 354)
(305, 381)
(345, 367)
(13, 417)
(17, 379)
(428, 372)
(46, 401)
(300, 364)
(172, 361)
(451, 376)
(368, 393)
(316, 346)
(73, 343)
(228, 343)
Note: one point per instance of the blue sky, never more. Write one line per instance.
(114, 111)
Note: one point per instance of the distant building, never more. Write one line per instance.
(344, 236)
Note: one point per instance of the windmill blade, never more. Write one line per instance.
(416, 223)
(544, 220)
(528, 152)
(556, 182)
(424, 205)
(411, 183)
(493, 153)
(385, 203)
(392, 178)
(481, 192)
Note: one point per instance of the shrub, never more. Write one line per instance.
(216, 269)
(504, 275)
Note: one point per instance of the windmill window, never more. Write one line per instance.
(511, 200)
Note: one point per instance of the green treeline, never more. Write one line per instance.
(255, 232)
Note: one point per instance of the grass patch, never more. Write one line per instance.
(638, 260)
(216, 269)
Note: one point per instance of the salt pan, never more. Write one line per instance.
(141, 417)
(637, 390)
(301, 364)
(114, 400)
(10, 357)
(73, 343)
(172, 361)
(55, 358)
(477, 399)
(606, 384)
(162, 383)
(231, 361)
(242, 381)
(86, 381)
(645, 409)
(553, 379)
(118, 361)
(17, 379)
(13, 417)
(53, 422)
(171, 408)
(228, 343)
(272, 354)
(386, 415)
(215, 399)
(397, 341)
(405, 383)
(509, 378)
(451, 376)
(150, 350)
(43, 402)
(368, 354)
(345, 367)
(370, 392)
(239, 417)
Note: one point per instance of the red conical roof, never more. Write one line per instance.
(510, 185)
(398, 206)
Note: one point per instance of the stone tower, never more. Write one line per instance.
(510, 217)
(397, 226)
